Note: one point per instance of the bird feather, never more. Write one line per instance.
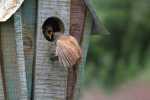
(68, 50)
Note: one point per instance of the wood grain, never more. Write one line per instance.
(29, 35)
(12, 63)
(77, 18)
(50, 77)
(77, 21)
(20, 59)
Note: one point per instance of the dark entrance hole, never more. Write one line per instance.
(56, 24)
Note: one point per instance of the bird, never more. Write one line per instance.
(69, 55)
(67, 50)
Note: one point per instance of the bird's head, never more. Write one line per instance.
(50, 33)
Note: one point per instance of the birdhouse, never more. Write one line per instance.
(27, 70)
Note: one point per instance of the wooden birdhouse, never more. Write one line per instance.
(27, 72)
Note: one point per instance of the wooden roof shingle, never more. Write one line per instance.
(98, 27)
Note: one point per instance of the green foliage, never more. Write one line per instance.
(125, 52)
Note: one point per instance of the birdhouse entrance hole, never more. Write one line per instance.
(55, 23)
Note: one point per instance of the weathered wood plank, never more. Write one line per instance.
(28, 31)
(20, 59)
(77, 18)
(9, 58)
(77, 21)
(50, 78)
(13, 60)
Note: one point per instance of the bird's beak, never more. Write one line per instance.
(50, 34)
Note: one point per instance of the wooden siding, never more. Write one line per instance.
(77, 22)
(50, 77)
(20, 60)
(29, 36)
(77, 18)
(13, 62)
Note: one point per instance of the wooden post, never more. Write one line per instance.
(50, 77)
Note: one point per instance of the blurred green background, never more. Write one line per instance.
(124, 54)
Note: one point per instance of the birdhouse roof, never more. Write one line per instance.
(98, 27)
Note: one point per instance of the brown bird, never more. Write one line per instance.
(69, 54)
(68, 50)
